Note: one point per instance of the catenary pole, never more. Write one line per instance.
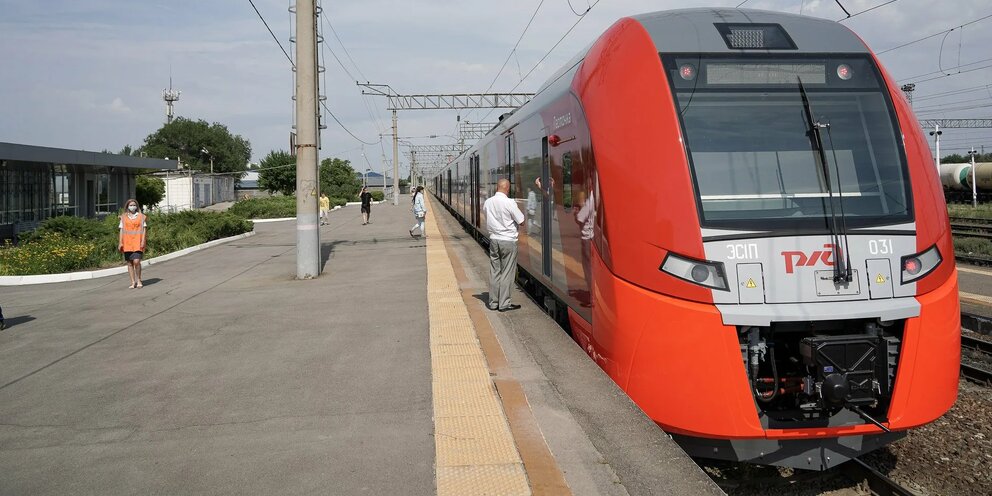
(307, 233)
(396, 163)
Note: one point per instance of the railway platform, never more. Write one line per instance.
(975, 285)
(385, 375)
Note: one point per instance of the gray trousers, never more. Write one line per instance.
(502, 269)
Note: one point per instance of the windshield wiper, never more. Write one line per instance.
(838, 227)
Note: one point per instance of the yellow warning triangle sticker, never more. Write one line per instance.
(880, 279)
(750, 284)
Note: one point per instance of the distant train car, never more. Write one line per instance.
(737, 214)
(958, 176)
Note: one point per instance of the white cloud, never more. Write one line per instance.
(117, 106)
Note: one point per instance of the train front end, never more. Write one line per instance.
(801, 306)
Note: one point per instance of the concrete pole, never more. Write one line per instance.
(396, 163)
(414, 182)
(307, 233)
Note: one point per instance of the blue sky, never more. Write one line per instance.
(90, 74)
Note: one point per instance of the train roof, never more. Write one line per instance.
(695, 31)
(698, 30)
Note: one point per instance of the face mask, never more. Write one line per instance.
(132, 208)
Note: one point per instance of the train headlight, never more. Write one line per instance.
(844, 72)
(701, 272)
(687, 72)
(920, 264)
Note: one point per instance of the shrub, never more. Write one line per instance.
(378, 196)
(48, 253)
(74, 227)
(65, 244)
(172, 232)
(338, 202)
(265, 208)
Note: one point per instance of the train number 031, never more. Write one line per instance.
(880, 247)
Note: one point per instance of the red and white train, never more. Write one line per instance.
(738, 216)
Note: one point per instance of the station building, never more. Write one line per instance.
(38, 182)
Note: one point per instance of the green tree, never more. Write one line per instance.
(149, 191)
(195, 142)
(274, 175)
(338, 179)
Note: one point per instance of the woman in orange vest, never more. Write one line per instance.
(132, 240)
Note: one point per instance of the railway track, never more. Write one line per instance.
(974, 260)
(878, 483)
(981, 325)
(964, 227)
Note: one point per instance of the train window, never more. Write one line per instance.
(509, 162)
(754, 166)
(566, 180)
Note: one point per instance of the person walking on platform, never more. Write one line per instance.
(132, 240)
(325, 206)
(366, 199)
(419, 211)
(503, 217)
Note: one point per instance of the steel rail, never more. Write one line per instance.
(878, 483)
(971, 259)
(981, 325)
(960, 231)
(975, 374)
(976, 323)
(973, 220)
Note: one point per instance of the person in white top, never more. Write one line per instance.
(502, 220)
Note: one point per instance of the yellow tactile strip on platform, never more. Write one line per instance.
(474, 447)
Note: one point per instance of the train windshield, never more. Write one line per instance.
(748, 137)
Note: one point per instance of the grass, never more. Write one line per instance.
(983, 211)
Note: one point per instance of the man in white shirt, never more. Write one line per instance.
(502, 219)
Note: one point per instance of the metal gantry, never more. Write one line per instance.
(426, 160)
(956, 123)
(445, 101)
(470, 131)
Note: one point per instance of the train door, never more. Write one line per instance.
(547, 190)
(447, 189)
(475, 187)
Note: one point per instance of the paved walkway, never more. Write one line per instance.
(224, 375)
(385, 375)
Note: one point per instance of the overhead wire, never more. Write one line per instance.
(532, 69)
(290, 59)
(866, 10)
(552, 49)
(512, 51)
(376, 119)
(961, 91)
(931, 73)
(932, 35)
(952, 74)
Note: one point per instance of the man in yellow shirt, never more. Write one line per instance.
(325, 206)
